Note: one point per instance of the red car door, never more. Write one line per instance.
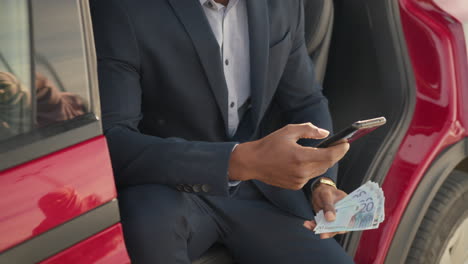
(58, 196)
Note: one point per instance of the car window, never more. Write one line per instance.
(15, 71)
(58, 88)
(61, 80)
(48, 81)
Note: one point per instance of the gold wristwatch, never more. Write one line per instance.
(326, 181)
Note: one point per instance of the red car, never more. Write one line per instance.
(403, 59)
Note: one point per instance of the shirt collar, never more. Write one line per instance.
(211, 4)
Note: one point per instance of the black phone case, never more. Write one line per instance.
(353, 132)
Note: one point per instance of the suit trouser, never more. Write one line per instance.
(162, 225)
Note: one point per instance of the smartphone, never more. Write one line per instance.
(354, 131)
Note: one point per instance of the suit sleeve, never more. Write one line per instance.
(138, 158)
(299, 93)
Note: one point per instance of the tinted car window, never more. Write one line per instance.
(48, 82)
(61, 80)
(58, 89)
(15, 72)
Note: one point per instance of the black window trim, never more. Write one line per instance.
(26, 147)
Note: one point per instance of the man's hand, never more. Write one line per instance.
(278, 160)
(324, 198)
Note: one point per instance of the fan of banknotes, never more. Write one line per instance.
(361, 210)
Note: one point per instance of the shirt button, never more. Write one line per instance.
(226, 62)
(232, 104)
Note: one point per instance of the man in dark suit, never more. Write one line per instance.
(187, 92)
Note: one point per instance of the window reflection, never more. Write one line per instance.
(52, 105)
(55, 106)
(15, 69)
(14, 106)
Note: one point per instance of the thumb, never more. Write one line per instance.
(330, 213)
(306, 130)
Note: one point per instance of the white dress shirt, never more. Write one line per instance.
(230, 27)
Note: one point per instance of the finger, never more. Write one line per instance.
(344, 140)
(331, 155)
(327, 206)
(340, 145)
(338, 150)
(329, 210)
(310, 225)
(330, 215)
(306, 130)
(313, 224)
(327, 235)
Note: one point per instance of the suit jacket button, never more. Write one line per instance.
(206, 188)
(188, 188)
(179, 187)
(197, 188)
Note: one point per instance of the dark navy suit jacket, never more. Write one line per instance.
(164, 96)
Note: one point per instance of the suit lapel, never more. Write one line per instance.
(191, 15)
(259, 47)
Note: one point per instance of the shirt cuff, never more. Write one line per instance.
(233, 183)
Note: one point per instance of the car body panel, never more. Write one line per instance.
(459, 10)
(54, 189)
(437, 50)
(106, 247)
